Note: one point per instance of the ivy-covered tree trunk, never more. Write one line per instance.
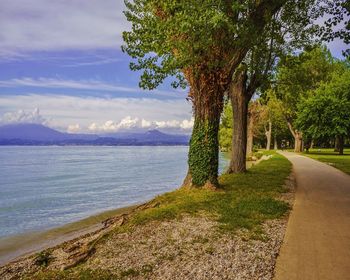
(203, 158)
(239, 99)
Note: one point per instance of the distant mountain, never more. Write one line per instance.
(151, 136)
(36, 134)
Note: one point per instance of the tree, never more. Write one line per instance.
(327, 112)
(290, 27)
(201, 44)
(297, 78)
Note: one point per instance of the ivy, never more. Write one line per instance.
(203, 155)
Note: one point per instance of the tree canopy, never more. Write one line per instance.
(326, 113)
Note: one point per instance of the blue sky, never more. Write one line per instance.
(61, 65)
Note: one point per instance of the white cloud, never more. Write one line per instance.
(187, 124)
(92, 63)
(109, 126)
(22, 116)
(65, 84)
(91, 84)
(93, 127)
(98, 114)
(128, 123)
(43, 25)
(73, 128)
(145, 124)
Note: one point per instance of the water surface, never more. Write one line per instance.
(45, 187)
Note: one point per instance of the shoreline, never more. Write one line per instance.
(19, 246)
(23, 245)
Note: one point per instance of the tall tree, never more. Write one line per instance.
(290, 27)
(201, 44)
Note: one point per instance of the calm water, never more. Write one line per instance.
(44, 187)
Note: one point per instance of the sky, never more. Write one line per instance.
(61, 65)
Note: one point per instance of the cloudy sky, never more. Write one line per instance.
(61, 65)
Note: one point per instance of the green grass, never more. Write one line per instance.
(245, 201)
(341, 162)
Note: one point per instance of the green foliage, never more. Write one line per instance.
(203, 159)
(226, 128)
(327, 112)
(275, 111)
(298, 76)
(170, 36)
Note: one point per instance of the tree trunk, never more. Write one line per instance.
(275, 145)
(268, 134)
(341, 144)
(250, 137)
(298, 138)
(203, 157)
(239, 100)
(336, 144)
(312, 144)
(298, 142)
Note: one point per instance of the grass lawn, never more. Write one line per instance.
(328, 156)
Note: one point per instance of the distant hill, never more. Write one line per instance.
(36, 134)
(151, 136)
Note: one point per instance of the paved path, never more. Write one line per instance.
(317, 241)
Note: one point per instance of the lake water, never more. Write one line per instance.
(45, 187)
